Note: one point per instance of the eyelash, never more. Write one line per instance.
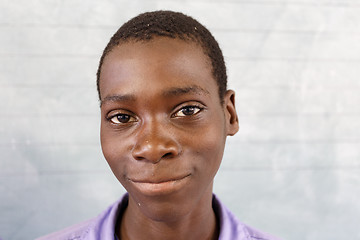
(114, 118)
(196, 107)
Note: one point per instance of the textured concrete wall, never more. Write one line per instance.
(292, 170)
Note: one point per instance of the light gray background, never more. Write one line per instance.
(292, 170)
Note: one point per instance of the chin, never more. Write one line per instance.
(165, 211)
(172, 207)
(164, 207)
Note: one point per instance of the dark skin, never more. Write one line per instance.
(163, 132)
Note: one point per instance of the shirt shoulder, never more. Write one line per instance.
(101, 227)
(232, 229)
(255, 234)
(74, 232)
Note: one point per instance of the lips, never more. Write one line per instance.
(160, 186)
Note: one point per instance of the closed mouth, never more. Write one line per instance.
(160, 180)
(160, 186)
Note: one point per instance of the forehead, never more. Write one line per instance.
(161, 62)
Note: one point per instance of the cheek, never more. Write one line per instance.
(213, 149)
(209, 148)
(114, 151)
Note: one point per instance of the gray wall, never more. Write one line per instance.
(292, 170)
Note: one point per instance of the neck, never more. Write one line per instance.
(200, 223)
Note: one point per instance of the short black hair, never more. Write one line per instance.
(146, 26)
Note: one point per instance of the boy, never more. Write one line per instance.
(165, 116)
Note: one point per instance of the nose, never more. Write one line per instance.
(154, 142)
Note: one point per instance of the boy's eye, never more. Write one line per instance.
(122, 118)
(187, 111)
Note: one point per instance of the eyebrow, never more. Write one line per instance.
(118, 98)
(175, 91)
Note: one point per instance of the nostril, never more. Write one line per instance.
(155, 149)
(167, 155)
(139, 158)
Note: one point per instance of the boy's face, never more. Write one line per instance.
(163, 128)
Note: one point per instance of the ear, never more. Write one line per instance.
(231, 118)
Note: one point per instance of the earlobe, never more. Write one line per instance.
(231, 118)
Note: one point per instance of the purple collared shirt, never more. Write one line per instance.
(103, 226)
